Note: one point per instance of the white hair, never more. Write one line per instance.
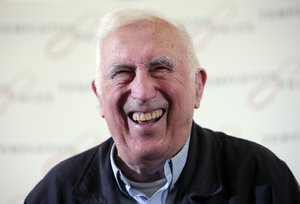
(114, 20)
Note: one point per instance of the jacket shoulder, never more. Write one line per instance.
(60, 180)
(243, 164)
(239, 148)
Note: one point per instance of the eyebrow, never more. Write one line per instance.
(162, 60)
(117, 66)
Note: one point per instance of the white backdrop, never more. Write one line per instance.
(250, 49)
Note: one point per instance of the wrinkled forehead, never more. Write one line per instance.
(157, 23)
(144, 39)
(154, 27)
(153, 30)
(111, 23)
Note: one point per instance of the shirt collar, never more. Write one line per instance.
(172, 168)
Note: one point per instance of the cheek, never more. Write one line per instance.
(181, 90)
(110, 103)
(182, 99)
(113, 101)
(106, 99)
(114, 114)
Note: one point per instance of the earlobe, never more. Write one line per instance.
(200, 80)
(101, 112)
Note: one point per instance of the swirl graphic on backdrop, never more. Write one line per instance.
(84, 140)
(264, 93)
(21, 82)
(63, 43)
(222, 13)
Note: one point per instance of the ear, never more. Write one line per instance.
(94, 87)
(200, 80)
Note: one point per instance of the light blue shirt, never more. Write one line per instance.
(166, 194)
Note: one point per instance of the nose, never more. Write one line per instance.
(143, 86)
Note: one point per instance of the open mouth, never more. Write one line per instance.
(146, 117)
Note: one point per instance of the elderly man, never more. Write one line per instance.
(148, 83)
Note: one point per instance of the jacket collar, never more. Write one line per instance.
(201, 174)
(95, 185)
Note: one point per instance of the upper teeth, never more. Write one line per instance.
(138, 116)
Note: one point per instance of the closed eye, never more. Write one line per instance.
(161, 65)
(122, 73)
(160, 71)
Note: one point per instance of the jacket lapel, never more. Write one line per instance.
(200, 177)
(97, 184)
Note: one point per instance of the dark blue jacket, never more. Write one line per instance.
(219, 169)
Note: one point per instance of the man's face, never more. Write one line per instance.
(148, 91)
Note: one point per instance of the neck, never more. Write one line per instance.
(147, 172)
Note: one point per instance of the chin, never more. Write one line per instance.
(152, 154)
